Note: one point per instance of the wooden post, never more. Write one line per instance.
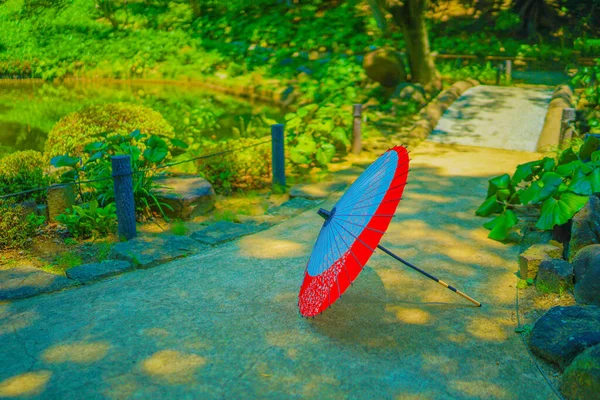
(278, 156)
(356, 129)
(498, 73)
(508, 71)
(123, 183)
(566, 132)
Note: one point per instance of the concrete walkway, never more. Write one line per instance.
(224, 324)
(498, 117)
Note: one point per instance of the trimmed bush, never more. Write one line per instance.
(74, 131)
(16, 227)
(245, 168)
(21, 171)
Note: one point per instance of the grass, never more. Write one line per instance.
(179, 228)
(63, 262)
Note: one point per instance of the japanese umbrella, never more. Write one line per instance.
(352, 231)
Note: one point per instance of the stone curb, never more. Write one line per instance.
(550, 136)
(430, 115)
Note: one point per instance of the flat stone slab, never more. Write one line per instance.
(316, 191)
(90, 272)
(492, 116)
(188, 195)
(23, 282)
(293, 207)
(147, 252)
(224, 231)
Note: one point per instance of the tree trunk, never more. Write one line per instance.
(410, 17)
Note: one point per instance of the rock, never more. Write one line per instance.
(224, 231)
(293, 207)
(564, 332)
(28, 207)
(60, 197)
(316, 191)
(90, 272)
(412, 92)
(147, 252)
(188, 195)
(22, 282)
(529, 261)
(385, 67)
(586, 267)
(42, 210)
(585, 229)
(531, 237)
(581, 380)
(554, 276)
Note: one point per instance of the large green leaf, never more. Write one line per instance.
(585, 184)
(541, 189)
(156, 155)
(548, 164)
(499, 182)
(524, 172)
(559, 211)
(64, 161)
(568, 168)
(488, 207)
(502, 224)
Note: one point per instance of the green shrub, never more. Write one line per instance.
(89, 220)
(146, 153)
(316, 134)
(243, 169)
(23, 170)
(15, 226)
(73, 132)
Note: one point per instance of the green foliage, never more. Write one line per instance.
(89, 219)
(16, 227)
(316, 134)
(76, 130)
(146, 152)
(245, 168)
(63, 262)
(24, 170)
(558, 187)
(179, 228)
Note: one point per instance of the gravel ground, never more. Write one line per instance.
(497, 117)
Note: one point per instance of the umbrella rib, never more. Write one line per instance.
(370, 205)
(330, 238)
(364, 215)
(343, 264)
(357, 238)
(374, 177)
(353, 255)
(360, 226)
(377, 170)
(372, 197)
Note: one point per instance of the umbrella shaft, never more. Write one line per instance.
(386, 251)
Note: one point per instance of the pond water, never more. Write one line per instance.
(29, 109)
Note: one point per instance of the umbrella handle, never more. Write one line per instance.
(444, 284)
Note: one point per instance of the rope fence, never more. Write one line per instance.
(122, 174)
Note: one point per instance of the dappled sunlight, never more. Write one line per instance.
(254, 246)
(15, 322)
(172, 366)
(156, 332)
(28, 384)
(286, 297)
(439, 363)
(80, 353)
(282, 339)
(406, 315)
(481, 389)
(489, 329)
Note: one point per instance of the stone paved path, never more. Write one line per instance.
(498, 117)
(224, 323)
